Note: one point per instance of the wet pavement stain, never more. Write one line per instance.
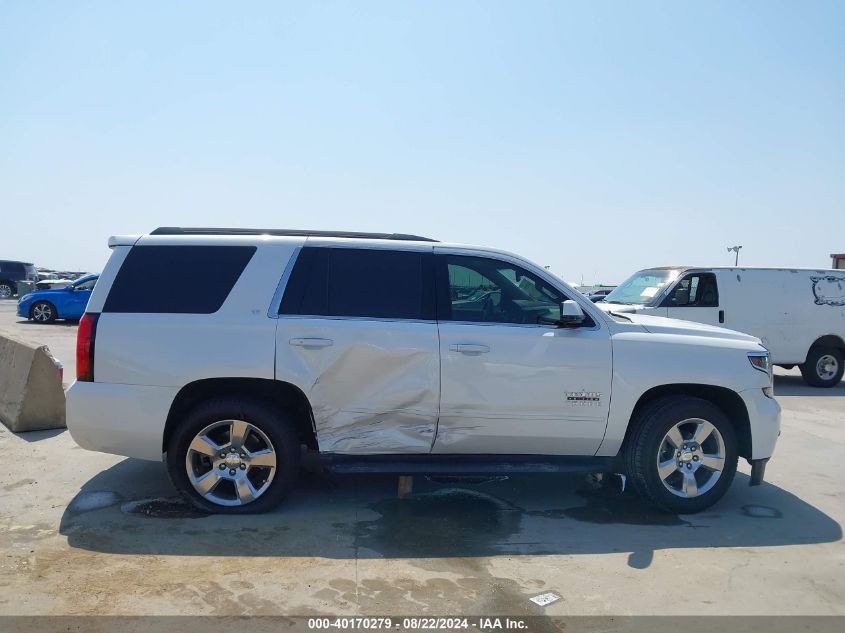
(761, 512)
(450, 522)
(88, 501)
(467, 522)
(169, 508)
(608, 505)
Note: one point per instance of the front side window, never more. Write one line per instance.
(355, 282)
(483, 290)
(85, 285)
(697, 290)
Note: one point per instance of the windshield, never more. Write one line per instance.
(642, 287)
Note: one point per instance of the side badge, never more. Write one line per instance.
(583, 398)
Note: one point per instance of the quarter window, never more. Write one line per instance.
(486, 290)
(177, 279)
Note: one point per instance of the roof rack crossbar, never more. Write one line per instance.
(180, 230)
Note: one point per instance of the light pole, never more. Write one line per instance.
(735, 249)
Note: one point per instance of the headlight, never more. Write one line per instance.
(24, 298)
(761, 361)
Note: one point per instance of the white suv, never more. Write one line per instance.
(395, 353)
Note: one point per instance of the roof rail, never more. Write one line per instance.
(180, 230)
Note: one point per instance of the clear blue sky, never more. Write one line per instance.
(594, 137)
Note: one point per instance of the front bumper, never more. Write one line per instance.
(764, 419)
(758, 471)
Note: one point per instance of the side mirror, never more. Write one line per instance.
(571, 314)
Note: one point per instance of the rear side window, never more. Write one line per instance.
(177, 279)
(350, 282)
(12, 267)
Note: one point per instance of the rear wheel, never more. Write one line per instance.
(43, 312)
(6, 290)
(234, 456)
(824, 366)
(682, 454)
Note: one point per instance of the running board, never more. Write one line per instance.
(464, 464)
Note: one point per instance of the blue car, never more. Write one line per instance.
(45, 306)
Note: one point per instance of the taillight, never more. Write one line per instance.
(85, 346)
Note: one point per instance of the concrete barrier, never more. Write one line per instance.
(31, 394)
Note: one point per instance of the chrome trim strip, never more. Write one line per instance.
(355, 318)
(276, 302)
(429, 321)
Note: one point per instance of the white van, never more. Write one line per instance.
(798, 314)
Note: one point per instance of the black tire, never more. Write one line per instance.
(641, 451)
(811, 367)
(46, 308)
(7, 289)
(270, 420)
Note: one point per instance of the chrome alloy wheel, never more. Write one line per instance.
(42, 312)
(231, 462)
(827, 367)
(691, 458)
(6, 291)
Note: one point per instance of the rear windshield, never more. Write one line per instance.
(177, 279)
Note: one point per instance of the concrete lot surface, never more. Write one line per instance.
(86, 533)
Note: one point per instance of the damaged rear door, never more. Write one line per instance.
(357, 333)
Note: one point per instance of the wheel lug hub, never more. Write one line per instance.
(243, 466)
(233, 471)
(222, 466)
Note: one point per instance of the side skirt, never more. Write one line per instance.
(465, 464)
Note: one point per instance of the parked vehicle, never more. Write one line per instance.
(12, 272)
(390, 353)
(799, 315)
(67, 302)
(596, 297)
(48, 284)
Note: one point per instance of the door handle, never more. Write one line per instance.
(466, 348)
(721, 316)
(311, 342)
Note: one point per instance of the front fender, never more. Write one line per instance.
(643, 361)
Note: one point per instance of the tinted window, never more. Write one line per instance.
(360, 283)
(486, 290)
(12, 267)
(696, 290)
(177, 279)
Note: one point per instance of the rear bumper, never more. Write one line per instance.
(119, 419)
(764, 418)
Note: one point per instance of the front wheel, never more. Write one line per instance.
(823, 367)
(43, 312)
(6, 290)
(682, 454)
(234, 456)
